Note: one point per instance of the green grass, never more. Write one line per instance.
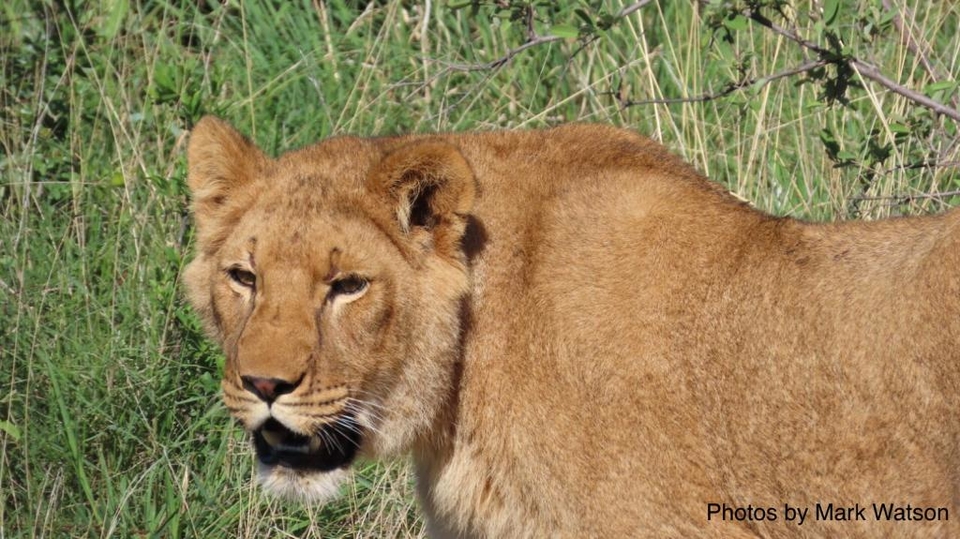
(110, 423)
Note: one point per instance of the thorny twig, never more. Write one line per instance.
(631, 8)
(863, 68)
(731, 88)
(909, 198)
(911, 39)
(826, 57)
(533, 40)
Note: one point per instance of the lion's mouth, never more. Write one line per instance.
(331, 447)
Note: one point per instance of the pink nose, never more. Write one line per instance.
(268, 389)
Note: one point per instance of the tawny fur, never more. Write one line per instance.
(576, 335)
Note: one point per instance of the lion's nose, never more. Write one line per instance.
(268, 389)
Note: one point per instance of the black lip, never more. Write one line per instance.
(340, 440)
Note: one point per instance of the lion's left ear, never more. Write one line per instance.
(220, 162)
(431, 189)
(222, 165)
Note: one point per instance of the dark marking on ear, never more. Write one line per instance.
(420, 212)
(474, 238)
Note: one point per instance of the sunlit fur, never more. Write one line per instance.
(574, 334)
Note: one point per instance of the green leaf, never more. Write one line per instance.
(899, 129)
(193, 106)
(888, 17)
(584, 16)
(736, 23)
(942, 86)
(829, 141)
(11, 430)
(566, 31)
(165, 84)
(114, 13)
(460, 4)
(163, 77)
(830, 10)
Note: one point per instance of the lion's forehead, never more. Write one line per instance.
(321, 241)
(340, 162)
(299, 199)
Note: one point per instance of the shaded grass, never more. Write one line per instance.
(110, 424)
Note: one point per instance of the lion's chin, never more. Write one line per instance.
(309, 486)
(302, 467)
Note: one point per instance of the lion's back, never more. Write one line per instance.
(636, 321)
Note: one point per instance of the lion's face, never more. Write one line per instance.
(332, 279)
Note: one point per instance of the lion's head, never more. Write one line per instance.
(333, 279)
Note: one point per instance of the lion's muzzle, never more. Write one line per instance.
(333, 446)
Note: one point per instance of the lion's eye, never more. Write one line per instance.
(242, 277)
(348, 285)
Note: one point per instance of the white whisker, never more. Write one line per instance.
(348, 423)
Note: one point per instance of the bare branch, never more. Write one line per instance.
(758, 18)
(731, 88)
(910, 38)
(863, 68)
(900, 199)
(926, 164)
(631, 8)
(915, 43)
(533, 42)
(528, 21)
(874, 74)
(908, 198)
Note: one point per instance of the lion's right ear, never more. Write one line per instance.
(430, 188)
(220, 161)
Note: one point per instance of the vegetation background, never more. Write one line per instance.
(110, 423)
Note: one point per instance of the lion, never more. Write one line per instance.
(575, 334)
